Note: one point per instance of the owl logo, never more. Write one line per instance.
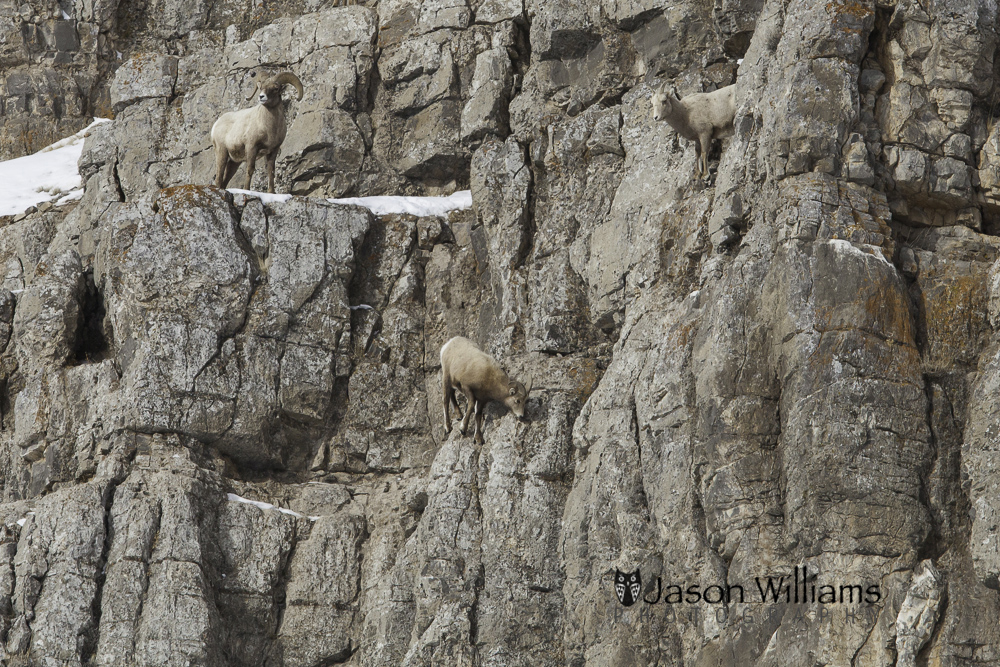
(627, 586)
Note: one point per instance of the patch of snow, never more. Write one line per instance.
(21, 522)
(361, 306)
(232, 497)
(740, 61)
(418, 206)
(840, 245)
(50, 174)
(265, 197)
(74, 195)
(66, 17)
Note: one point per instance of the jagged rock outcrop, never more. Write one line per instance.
(221, 439)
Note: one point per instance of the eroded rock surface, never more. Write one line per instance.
(221, 439)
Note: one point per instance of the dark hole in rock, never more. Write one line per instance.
(418, 503)
(91, 338)
(737, 45)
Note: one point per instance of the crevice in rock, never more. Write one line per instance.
(530, 229)
(361, 289)
(281, 590)
(91, 638)
(477, 587)
(931, 546)
(254, 277)
(641, 489)
(941, 490)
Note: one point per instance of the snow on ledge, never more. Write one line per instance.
(232, 497)
(49, 174)
(264, 197)
(421, 207)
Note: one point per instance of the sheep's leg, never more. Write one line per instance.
(231, 168)
(221, 165)
(270, 169)
(447, 410)
(480, 405)
(705, 141)
(449, 397)
(251, 165)
(468, 409)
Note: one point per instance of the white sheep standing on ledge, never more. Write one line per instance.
(480, 378)
(699, 117)
(247, 134)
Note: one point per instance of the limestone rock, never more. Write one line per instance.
(143, 77)
(918, 614)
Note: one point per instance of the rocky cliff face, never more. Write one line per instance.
(790, 368)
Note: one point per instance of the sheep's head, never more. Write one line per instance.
(663, 101)
(270, 89)
(517, 396)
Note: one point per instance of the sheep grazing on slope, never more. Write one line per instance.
(247, 134)
(699, 117)
(480, 378)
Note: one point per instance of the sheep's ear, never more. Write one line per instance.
(512, 390)
(256, 85)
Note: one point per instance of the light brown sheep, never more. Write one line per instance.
(478, 375)
(700, 117)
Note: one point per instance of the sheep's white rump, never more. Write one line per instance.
(50, 174)
(418, 206)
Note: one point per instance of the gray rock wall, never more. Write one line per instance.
(792, 365)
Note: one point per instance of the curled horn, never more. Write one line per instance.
(256, 85)
(527, 387)
(289, 78)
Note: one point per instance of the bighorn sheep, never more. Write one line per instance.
(699, 117)
(247, 134)
(480, 378)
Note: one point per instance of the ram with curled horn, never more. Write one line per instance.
(247, 134)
